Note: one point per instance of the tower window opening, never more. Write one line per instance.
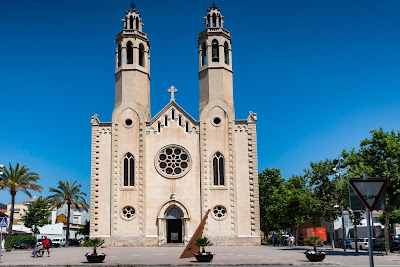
(226, 52)
(187, 127)
(173, 114)
(129, 170)
(215, 51)
(119, 55)
(131, 22)
(203, 54)
(137, 23)
(208, 21)
(141, 55)
(159, 127)
(218, 169)
(220, 22)
(180, 120)
(166, 121)
(129, 53)
(214, 20)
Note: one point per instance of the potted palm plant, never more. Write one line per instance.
(202, 255)
(314, 255)
(94, 256)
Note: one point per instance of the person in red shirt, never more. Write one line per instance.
(46, 245)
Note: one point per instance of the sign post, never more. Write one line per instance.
(369, 191)
(3, 223)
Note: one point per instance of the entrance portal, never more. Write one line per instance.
(174, 226)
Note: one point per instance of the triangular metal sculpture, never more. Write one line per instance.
(369, 190)
(190, 248)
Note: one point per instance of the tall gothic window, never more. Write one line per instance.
(129, 170)
(203, 54)
(226, 52)
(119, 55)
(137, 23)
(218, 169)
(131, 23)
(129, 53)
(214, 20)
(141, 55)
(215, 51)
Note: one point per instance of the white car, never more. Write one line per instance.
(58, 242)
(362, 243)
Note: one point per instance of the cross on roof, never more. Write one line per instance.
(172, 90)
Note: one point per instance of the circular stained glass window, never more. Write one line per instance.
(219, 212)
(172, 161)
(128, 213)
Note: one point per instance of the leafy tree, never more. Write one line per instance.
(394, 217)
(37, 215)
(14, 179)
(269, 180)
(84, 230)
(69, 194)
(326, 191)
(379, 156)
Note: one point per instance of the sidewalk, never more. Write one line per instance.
(156, 256)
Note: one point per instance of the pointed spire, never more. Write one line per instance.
(133, 6)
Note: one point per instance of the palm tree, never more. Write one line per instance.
(14, 180)
(70, 194)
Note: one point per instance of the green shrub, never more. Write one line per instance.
(17, 238)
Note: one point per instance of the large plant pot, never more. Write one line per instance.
(315, 257)
(95, 258)
(204, 258)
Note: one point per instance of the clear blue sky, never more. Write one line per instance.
(319, 74)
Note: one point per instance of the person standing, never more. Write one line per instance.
(46, 245)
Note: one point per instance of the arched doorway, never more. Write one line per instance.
(173, 223)
(174, 226)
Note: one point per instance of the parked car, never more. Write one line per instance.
(58, 242)
(394, 242)
(362, 243)
(73, 242)
(301, 241)
(25, 244)
(339, 243)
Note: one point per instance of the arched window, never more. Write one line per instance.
(131, 22)
(141, 55)
(214, 20)
(220, 22)
(173, 114)
(119, 55)
(218, 169)
(180, 120)
(159, 127)
(226, 52)
(208, 21)
(166, 121)
(137, 23)
(129, 170)
(187, 127)
(203, 54)
(215, 51)
(129, 53)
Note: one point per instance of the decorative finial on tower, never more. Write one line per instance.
(172, 90)
(133, 6)
(213, 5)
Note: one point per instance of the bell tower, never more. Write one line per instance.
(215, 60)
(132, 63)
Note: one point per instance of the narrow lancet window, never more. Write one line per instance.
(203, 54)
(226, 52)
(119, 55)
(159, 127)
(214, 18)
(129, 170)
(180, 120)
(218, 169)
(131, 22)
(137, 23)
(166, 121)
(187, 127)
(141, 55)
(215, 51)
(173, 114)
(129, 53)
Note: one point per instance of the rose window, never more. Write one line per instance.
(173, 161)
(219, 212)
(128, 213)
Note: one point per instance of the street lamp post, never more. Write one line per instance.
(338, 171)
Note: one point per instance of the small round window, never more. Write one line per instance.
(216, 121)
(173, 161)
(128, 123)
(219, 212)
(128, 213)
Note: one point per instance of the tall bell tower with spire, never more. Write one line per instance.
(132, 63)
(215, 60)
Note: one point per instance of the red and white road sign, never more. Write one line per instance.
(369, 190)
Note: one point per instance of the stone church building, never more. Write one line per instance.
(154, 178)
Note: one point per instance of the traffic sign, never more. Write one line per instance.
(3, 221)
(369, 190)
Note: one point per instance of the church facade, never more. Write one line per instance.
(154, 178)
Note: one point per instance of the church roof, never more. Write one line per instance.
(172, 103)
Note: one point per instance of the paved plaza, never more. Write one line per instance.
(227, 256)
